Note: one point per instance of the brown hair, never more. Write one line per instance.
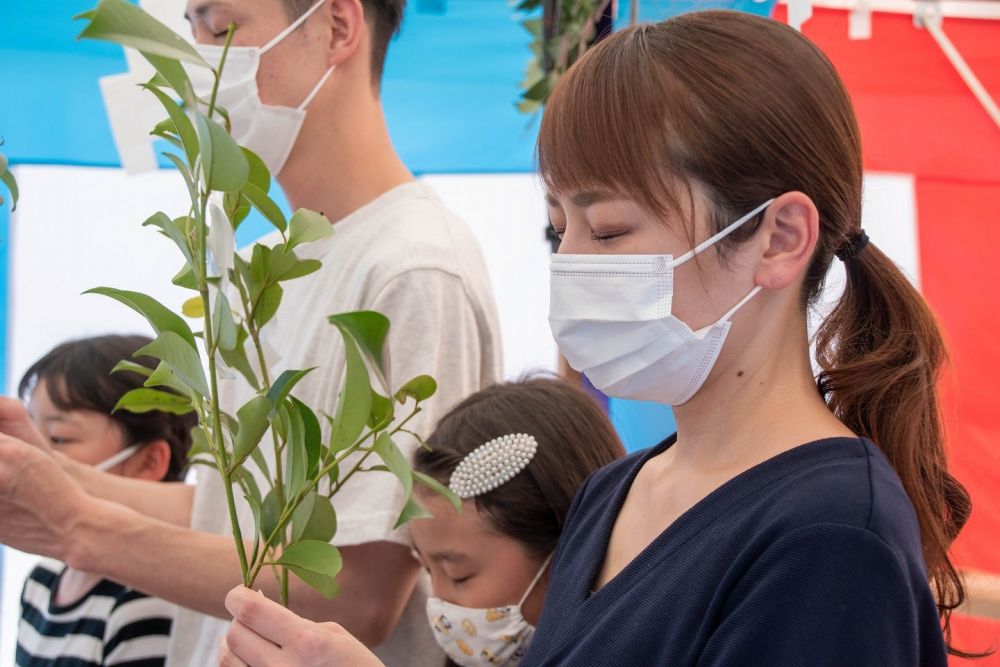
(384, 19)
(574, 439)
(78, 376)
(748, 109)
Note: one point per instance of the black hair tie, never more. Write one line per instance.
(852, 249)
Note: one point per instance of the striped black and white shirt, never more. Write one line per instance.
(112, 625)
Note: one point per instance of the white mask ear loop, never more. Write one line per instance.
(120, 457)
(538, 577)
(709, 242)
(732, 311)
(316, 89)
(290, 29)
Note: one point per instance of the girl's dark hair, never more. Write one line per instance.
(749, 109)
(574, 439)
(78, 376)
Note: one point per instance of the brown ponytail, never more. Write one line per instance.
(748, 109)
(881, 352)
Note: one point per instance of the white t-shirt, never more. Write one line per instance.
(407, 256)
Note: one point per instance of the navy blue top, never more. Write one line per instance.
(810, 558)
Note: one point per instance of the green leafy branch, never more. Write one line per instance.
(560, 37)
(7, 178)
(292, 505)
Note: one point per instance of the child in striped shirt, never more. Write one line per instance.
(71, 618)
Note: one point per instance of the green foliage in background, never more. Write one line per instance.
(7, 179)
(560, 37)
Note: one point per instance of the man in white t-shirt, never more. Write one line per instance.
(396, 249)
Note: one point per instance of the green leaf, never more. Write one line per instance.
(223, 326)
(533, 26)
(314, 519)
(257, 520)
(259, 262)
(285, 383)
(237, 204)
(185, 173)
(295, 452)
(132, 367)
(263, 203)
(127, 24)
(354, 404)
(270, 512)
(259, 175)
(148, 400)
(7, 178)
(312, 435)
(370, 330)
(439, 488)
(381, 413)
(270, 299)
(539, 92)
(164, 377)
(236, 358)
(161, 318)
(185, 278)
(193, 308)
(249, 485)
(172, 73)
(175, 230)
(419, 389)
(302, 267)
(222, 160)
(257, 456)
(285, 265)
(395, 461)
(253, 420)
(182, 358)
(199, 442)
(307, 226)
(314, 562)
(412, 510)
(179, 121)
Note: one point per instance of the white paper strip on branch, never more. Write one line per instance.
(799, 11)
(131, 112)
(859, 22)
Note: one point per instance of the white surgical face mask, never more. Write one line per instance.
(119, 458)
(611, 317)
(269, 131)
(498, 636)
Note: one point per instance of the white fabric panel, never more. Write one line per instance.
(77, 228)
(890, 219)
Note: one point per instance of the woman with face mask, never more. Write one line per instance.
(703, 174)
(516, 454)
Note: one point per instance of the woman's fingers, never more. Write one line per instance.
(227, 658)
(266, 618)
(249, 648)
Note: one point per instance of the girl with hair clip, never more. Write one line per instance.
(703, 174)
(516, 454)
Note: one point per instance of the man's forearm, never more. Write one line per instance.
(166, 501)
(195, 570)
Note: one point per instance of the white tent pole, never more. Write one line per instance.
(933, 26)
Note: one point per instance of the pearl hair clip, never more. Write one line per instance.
(492, 465)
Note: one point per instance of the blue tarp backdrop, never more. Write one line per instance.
(451, 82)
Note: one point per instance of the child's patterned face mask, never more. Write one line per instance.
(471, 637)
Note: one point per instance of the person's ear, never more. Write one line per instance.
(788, 237)
(345, 27)
(151, 462)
